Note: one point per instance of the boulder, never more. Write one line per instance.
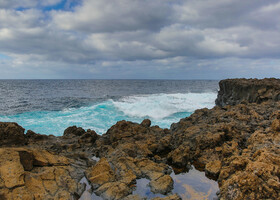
(11, 134)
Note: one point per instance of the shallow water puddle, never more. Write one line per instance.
(194, 185)
(88, 194)
(191, 185)
(143, 189)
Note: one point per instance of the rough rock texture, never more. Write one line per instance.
(11, 134)
(33, 174)
(236, 143)
(239, 145)
(131, 151)
(235, 91)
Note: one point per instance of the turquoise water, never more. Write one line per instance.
(162, 109)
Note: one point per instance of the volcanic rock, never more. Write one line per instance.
(235, 91)
(46, 176)
(11, 134)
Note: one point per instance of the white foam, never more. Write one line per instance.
(159, 106)
(162, 109)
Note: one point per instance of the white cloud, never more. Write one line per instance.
(159, 35)
(110, 16)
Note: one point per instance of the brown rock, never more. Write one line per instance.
(100, 174)
(276, 125)
(162, 185)
(170, 197)
(26, 159)
(11, 170)
(113, 190)
(11, 134)
(19, 179)
(213, 168)
(146, 123)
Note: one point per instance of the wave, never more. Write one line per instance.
(162, 109)
(159, 106)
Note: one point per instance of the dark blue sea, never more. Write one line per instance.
(50, 106)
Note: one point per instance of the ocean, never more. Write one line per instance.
(50, 106)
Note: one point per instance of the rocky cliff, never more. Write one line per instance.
(235, 91)
(238, 145)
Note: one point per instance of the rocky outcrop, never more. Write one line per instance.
(235, 91)
(35, 174)
(11, 134)
(237, 143)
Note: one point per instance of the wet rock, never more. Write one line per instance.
(163, 184)
(170, 197)
(134, 197)
(113, 190)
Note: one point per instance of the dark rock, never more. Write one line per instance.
(146, 123)
(35, 136)
(74, 130)
(26, 159)
(235, 91)
(11, 134)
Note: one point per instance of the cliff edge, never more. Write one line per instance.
(235, 91)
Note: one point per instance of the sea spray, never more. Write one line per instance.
(162, 109)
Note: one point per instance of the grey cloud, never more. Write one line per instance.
(111, 16)
(97, 37)
(9, 4)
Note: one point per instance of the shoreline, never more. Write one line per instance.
(233, 143)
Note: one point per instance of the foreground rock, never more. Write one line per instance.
(238, 145)
(32, 174)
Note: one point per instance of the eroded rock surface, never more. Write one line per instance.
(239, 145)
(235, 91)
(34, 174)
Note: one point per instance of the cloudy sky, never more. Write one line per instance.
(146, 39)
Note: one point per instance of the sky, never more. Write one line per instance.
(139, 39)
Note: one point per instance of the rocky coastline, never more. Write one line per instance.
(236, 143)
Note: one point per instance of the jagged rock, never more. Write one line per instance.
(21, 179)
(235, 91)
(163, 184)
(74, 130)
(100, 174)
(113, 190)
(146, 123)
(213, 168)
(11, 134)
